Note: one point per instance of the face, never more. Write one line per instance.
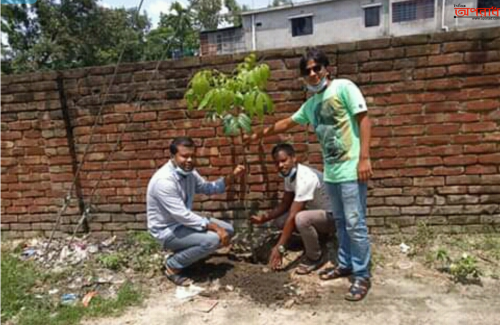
(184, 158)
(314, 73)
(284, 163)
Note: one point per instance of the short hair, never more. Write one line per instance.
(181, 141)
(313, 53)
(287, 148)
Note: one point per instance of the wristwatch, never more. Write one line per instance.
(281, 249)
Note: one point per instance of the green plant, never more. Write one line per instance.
(112, 261)
(463, 268)
(234, 99)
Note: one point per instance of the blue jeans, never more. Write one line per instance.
(190, 245)
(349, 212)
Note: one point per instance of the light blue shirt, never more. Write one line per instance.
(170, 200)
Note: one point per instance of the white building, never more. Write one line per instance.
(323, 22)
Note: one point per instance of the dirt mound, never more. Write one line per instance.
(254, 281)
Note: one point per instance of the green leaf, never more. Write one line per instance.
(260, 104)
(249, 103)
(245, 122)
(206, 100)
(230, 125)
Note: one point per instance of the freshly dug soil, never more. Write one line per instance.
(255, 281)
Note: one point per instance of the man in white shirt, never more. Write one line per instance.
(305, 207)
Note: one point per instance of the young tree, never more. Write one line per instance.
(233, 99)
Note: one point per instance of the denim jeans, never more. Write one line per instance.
(349, 212)
(190, 245)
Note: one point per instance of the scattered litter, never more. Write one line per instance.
(53, 291)
(289, 303)
(205, 305)
(109, 242)
(88, 297)
(405, 265)
(215, 286)
(69, 299)
(404, 248)
(28, 252)
(265, 270)
(93, 249)
(187, 292)
(229, 288)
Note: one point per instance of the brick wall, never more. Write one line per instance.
(434, 101)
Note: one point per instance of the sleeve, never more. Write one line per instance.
(300, 116)
(170, 200)
(307, 183)
(204, 187)
(353, 99)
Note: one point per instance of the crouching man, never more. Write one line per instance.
(305, 207)
(171, 220)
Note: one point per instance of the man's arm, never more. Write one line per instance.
(364, 166)
(277, 128)
(170, 200)
(282, 207)
(275, 259)
(290, 222)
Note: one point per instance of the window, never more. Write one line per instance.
(412, 10)
(372, 16)
(302, 26)
(488, 3)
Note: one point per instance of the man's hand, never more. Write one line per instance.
(239, 170)
(275, 259)
(364, 170)
(258, 220)
(221, 232)
(223, 236)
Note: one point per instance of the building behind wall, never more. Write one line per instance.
(338, 21)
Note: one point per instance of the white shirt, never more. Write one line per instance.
(308, 186)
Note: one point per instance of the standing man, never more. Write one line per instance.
(338, 112)
(305, 207)
(170, 197)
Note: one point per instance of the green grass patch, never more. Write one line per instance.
(21, 304)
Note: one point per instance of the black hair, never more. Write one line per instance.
(287, 148)
(181, 141)
(313, 53)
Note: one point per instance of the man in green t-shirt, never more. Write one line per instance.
(338, 112)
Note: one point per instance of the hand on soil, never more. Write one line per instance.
(258, 220)
(275, 260)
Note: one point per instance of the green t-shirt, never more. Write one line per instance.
(333, 115)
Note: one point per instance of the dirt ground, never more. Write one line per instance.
(404, 291)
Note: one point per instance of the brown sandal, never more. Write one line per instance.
(334, 273)
(358, 290)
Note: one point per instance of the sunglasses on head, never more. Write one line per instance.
(316, 69)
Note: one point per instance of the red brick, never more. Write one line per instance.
(479, 169)
(445, 171)
(483, 159)
(492, 67)
(415, 172)
(446, 59)
(424, 161)
(480, 148)
(443, 129)
(428, 181)
(479, 127)
(482, 105)
(463, 180)
(460, 160)
(443, 84)
(466, 138)
(463, 69)
(463, 117)
(481, 81)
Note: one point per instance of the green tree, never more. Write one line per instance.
(206, 13)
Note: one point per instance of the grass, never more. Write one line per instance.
(23, 306)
